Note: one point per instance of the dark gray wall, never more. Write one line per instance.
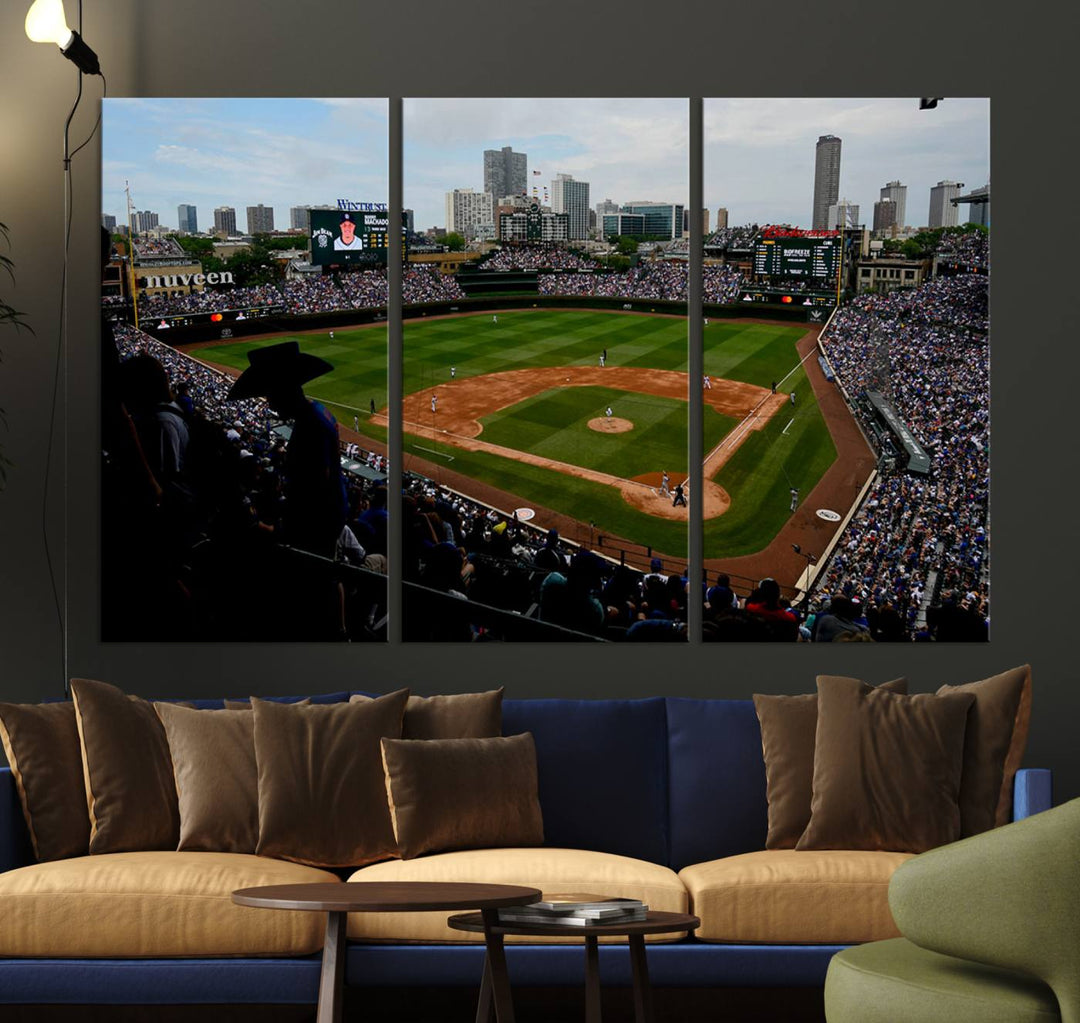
(282, 47)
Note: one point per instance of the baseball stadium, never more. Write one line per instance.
(545, 422)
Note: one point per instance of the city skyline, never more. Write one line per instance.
(626, 149)
(760, 153)
(241, 152)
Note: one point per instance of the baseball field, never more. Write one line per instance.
(522, 405)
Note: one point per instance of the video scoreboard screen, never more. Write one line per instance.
(349, 236)
(797, 257)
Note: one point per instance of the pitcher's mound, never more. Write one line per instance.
(610, 424)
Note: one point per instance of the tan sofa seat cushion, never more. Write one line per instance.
(787, 897)
(550, 870)
(153, 904)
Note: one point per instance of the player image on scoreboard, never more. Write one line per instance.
(341, 237)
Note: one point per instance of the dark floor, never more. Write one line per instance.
(458, 1005)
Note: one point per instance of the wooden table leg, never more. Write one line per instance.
(496, 965)
(331, 982)
(592, 980)
(643, 1012)
(485, 1005)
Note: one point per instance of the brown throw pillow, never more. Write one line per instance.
(994, 745)
(886, 768)
(456, 716)
(788, 724)
(246, 704)
(463, 793)
(42, 746)
(127, 770)
(322, 797)
(217, 781)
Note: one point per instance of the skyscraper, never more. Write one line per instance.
(842, 215)
(410, 221)
(605, 207)
(145, 220)
(187, 219)
(898, 194)
(466, 210)
(108, 221)
(299, 218)
(721, 218)
(571, 197)
(942, 212)
(885, 212)
(826, 179)
(505, 173)
(225, 221)
(260, 219)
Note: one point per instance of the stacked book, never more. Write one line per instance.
(575, 909)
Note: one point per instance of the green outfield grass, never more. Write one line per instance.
(359, 376)
(553, 424)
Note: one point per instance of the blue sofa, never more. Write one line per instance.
(669, 781)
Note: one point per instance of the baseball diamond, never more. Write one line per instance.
(523, 422)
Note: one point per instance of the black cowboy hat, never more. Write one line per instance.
(275, 366)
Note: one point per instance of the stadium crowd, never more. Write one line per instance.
(158, 247)
(664, 280)
(194, 502)
(537, 257)
(467, 558)
(428, 284)
(920, 542)
(970, 248)
(210, 301)
(733, 237)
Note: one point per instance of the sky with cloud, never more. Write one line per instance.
(759, 153)
(626, 149)
(241, 152)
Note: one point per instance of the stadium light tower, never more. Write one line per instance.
(45, 23)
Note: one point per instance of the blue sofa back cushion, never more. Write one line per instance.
(217, 704)
(602, 767)
(716, 773)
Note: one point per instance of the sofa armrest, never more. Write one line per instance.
(1032, 792)
(15, 847)
(1009, 898)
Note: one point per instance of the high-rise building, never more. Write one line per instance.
(721, 218)
(505, 172)
(662, 219)
(299, 218)
(260, 219)
(410, 221)
(885, 213)
(826, 179)
(145, 220)
(466, 210)
(842, 215)
(898, 194)
(979, 212)
(187, 219)
(108, 221)
(629, 224)
(225, 221)
(686, 222)
(942, 212)
(572, 197)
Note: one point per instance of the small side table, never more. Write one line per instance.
(338, 900)
(496, 978)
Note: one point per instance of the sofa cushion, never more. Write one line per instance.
(550, 870)
(717, 780)
(455, 716)
(896, 980)
(153, 904)
(786, 897)
(602, 772)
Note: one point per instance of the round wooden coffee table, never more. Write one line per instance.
(496, 979)
(338, 900)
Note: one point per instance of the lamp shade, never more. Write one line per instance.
(45, 23)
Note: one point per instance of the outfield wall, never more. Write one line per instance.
(340, 319)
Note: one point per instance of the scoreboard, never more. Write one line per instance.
(798, 257)
(350, 236)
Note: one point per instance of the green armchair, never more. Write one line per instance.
(991, 930)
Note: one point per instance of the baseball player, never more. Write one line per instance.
(434, 402)
(609, 411)
(453, 372)
(794, 498)
(680, 497)
(331, 335)
(792, 397)
(356, 423)
(494, 318)
(708, 383)
(603, 358)
(665, 479)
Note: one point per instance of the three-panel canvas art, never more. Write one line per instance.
(549, 385)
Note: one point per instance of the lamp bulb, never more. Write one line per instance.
(45, 23)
